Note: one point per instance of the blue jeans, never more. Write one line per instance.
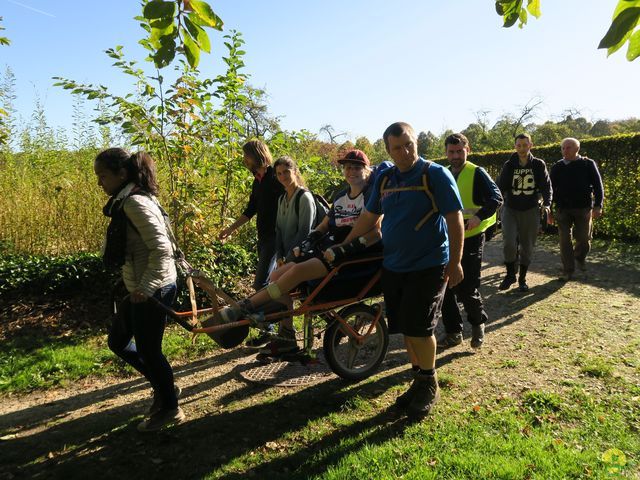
(145, 324)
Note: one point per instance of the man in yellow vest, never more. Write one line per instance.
(480, 199)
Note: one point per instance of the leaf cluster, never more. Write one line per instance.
(625, 20)
(3, 40)
(177, 26)
(512, 11)
(626, 17)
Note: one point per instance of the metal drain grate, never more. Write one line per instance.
(286, 374)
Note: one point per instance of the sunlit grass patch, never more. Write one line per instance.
(594, 366)
(31, 362)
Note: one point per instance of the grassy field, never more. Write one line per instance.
(554, 393)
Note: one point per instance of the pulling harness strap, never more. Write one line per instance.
(424, 188)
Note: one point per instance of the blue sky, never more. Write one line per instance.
(357, 65)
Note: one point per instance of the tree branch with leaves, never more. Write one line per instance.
(626, 17)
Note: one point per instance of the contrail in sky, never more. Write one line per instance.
(31, 8)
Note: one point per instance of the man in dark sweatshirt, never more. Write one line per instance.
(577, 197)
(522, 181)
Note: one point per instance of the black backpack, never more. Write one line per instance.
(322, 206)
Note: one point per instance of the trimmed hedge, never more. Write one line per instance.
(618, 159)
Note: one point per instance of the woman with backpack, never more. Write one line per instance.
(138, 243)
(313, 257)
(296, 210)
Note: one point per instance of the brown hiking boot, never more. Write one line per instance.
(404, 400)
(427, 393)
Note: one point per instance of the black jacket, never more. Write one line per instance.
(577, 184)
(522, 186)
(264, 202)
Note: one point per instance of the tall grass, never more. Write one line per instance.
(50, 203)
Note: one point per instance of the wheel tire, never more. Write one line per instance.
(346, 358)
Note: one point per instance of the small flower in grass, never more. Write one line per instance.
(615, 458)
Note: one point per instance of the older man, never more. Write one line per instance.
(577, 197)
(423, 234)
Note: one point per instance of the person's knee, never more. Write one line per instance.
(117, 344)
(274, 291)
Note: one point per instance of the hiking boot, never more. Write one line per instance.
(162, 418)
(285, 342)
(507, 281)
(261, 340)
(477, 335)
(157, 401)
(450, 340)
(522, 278)
(566, 276)
(426, 394)
(510, 277)
(582, 265)
(404, 400)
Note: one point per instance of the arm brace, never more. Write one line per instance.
(343, 251)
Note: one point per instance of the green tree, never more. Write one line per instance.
(429, 145)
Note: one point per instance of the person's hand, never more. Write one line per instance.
(453, 274)
(473, 222)
(596, 212)
(329, 255)
(138, 296)
(224, 233)
(550, 218)
(280, 262)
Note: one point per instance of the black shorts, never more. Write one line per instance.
(413, 300)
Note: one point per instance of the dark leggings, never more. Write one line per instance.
(145, 323)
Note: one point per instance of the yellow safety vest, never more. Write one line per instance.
(465, 186)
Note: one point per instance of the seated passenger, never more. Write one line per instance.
(314, 263)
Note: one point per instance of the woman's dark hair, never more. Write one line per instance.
(290, 164)
(140, 167)
(259, 151)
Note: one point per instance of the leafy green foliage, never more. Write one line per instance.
(39, 274)
(3, 40)
(177, 26)
(513, 10)
(625, 19)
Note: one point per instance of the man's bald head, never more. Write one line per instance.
(570, 148)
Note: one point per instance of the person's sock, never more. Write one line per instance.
(429, 372)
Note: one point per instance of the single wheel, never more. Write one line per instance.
(348, 358)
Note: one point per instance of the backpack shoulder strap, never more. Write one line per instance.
(296, 200)
(427, 191)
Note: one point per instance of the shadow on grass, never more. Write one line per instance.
(103, 443)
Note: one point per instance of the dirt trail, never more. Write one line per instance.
(533, 340)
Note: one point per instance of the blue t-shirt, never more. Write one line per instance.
(405, 249)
